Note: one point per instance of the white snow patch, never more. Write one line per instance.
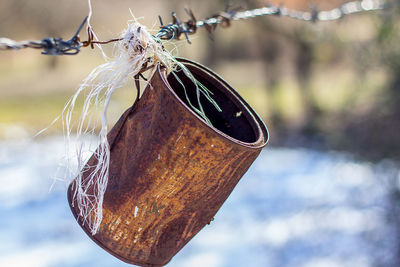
(209, 259)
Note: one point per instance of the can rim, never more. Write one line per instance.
(259, 127)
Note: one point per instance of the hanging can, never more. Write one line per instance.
(170, 171)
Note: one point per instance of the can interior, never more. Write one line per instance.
(234, 120)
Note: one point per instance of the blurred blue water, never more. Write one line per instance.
(293, 208)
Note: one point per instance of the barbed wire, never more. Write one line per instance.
(174, 30)
(50, 46)
(315, 15)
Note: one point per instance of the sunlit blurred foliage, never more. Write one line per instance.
(324, 84)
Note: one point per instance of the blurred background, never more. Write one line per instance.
(324, 193)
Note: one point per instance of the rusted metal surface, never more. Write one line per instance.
(170, 172)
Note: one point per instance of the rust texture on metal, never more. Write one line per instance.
(170, 171)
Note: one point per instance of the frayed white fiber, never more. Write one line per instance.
(137, 48)
(89, 27)
(132, 53)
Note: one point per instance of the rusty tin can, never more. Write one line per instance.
(170, 171)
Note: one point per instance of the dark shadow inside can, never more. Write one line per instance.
(234, 120)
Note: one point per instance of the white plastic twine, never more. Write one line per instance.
(136, 49)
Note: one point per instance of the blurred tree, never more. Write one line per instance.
(286, 48)
(377, 130)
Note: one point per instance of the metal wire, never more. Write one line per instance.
(50, 46)
(315, 15)
(174, 30)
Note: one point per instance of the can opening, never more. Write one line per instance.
(234, 120)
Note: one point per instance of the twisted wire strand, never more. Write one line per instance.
(315, 15)
(8, 44)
